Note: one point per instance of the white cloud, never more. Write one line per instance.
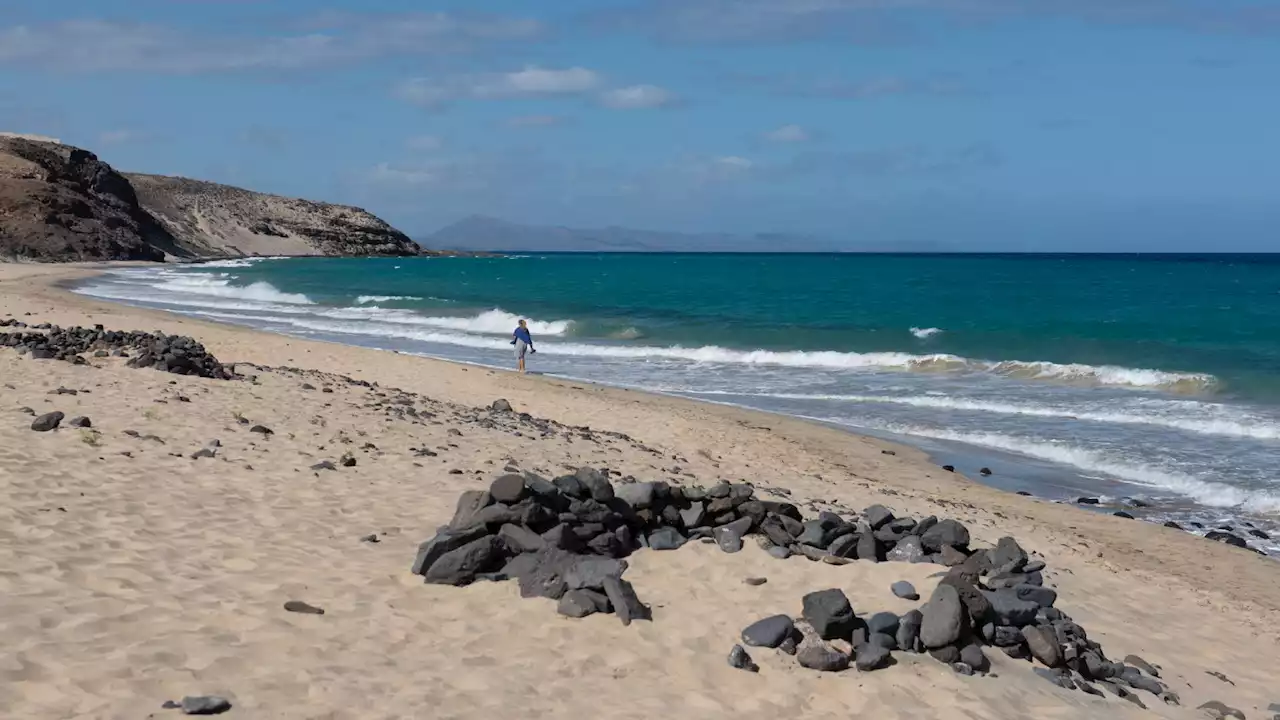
(90, 45)
(531, 81)
(423, 143)
(788, 134)
(733, 162)
(637, 97)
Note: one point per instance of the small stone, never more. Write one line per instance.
(297, 606)
(985, 472)
(884, 622)
(908, 549)
(1086, 687)
(576, 604)
(769, 632)
(592, 572)
(945, 533)
(878, 516)
(500, 406)
(626, 604)
(80, 421)
(779, 552)
(1218, 710)
(205, 705)
(870, 657)
(666, 538)
(47, 422)
(943, 617)
(830, 613)
(459, 567)
(1042, 596)
(1123, 514)
(1043, 646)
(1061, 678)
(520, 539)
(729, 537)
(818, 655)
(738, 658)
(170, 705)
(509, 489)
(909, 630)
(946, 654)
(962, 668)
(262, 430)
(905, 590)
(348, 460)
(973, 656)
(755, 581)
(370, 538)
(323, 465)
(1142, 665)
(844, 546)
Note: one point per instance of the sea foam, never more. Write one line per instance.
(1211, 494)
(1211, 422)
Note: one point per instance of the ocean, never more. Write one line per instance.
(1150, 382)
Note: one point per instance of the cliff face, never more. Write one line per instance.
(219, 220)
(59, 203)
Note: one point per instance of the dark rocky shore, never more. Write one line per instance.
(175, 354)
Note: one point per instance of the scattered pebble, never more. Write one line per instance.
(297, 606)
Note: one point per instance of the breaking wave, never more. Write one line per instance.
(1240, 426)
(490, 322)
(214, 286)
(925, 333)
(1212, 494)
(366, 299)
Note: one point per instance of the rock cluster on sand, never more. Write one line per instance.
(566, 540)
(176, 354)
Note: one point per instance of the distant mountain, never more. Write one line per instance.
(480, 233)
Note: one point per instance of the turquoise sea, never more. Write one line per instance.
(1145, 380)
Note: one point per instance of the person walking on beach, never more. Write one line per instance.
(523, 342)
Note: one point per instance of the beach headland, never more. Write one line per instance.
(133, 573)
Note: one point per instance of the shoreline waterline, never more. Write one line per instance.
(1142, 466)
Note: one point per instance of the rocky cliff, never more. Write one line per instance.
(219, 220)
(60, 203)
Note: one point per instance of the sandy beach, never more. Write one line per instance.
(132, 574)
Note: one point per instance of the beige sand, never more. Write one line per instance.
(129, 576)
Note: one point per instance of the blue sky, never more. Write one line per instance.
(969, 124)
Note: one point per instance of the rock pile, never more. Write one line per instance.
(176, 354)
(566, 539)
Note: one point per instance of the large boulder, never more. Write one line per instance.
(946, 533)
(943, 618)
(460, 567)
(769, 632)
(830, 614)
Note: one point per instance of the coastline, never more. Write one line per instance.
(1192, 605)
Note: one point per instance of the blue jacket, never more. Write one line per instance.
(523, 334)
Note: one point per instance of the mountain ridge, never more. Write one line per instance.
(61, 203)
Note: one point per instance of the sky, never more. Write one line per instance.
(1013, 125)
